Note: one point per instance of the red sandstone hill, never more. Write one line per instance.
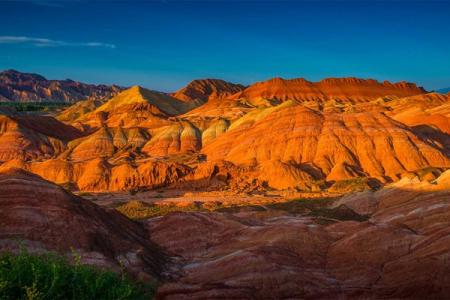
(202, 89)
(283, 137)
(33, 137)
(340, 146)
(142, 138)
(26, 87)
(345, 89)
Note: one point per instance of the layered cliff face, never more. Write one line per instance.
(42, 216)
(279, 143)
(343, 89)
(430, 110)
(99, 175)
(25, 87)
(341, 146)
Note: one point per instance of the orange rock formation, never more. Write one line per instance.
(280, 133)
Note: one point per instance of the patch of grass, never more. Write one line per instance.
(139, 210)
(315, 207)
(34, 106)
(48, 276)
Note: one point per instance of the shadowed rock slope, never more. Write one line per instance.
(400, 252)
(42, 216)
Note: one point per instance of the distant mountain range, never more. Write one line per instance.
(444, 91)
(16, 86)
(26, 87)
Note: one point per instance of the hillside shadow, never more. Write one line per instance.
(431, 135)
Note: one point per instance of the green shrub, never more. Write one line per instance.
(48, 276)
(34, 106)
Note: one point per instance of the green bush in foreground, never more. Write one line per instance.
(38, 277)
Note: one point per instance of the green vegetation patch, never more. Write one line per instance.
(315, 207)
(139, 210)
(48, 276)
(358, 184)
(34, 106)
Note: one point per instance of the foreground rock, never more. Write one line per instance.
(401, 252)
(42, 216)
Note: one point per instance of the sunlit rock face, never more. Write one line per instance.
(98, 175)
(344, 89)
(278, 134)
(203, 90)
(340, 145)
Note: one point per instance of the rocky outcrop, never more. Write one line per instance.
(133, 107)
(33, 137)
(277, 143)
(429, 109)
(401, 252)
(25, 87)
(98, 175)
(201, 90)
(339, 145)
(177, 138)
(428, 115)
(77, 110)
(344, 89)
(42, 216)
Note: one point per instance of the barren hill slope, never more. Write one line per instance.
(45, 217)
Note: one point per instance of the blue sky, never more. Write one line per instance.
(164, 44)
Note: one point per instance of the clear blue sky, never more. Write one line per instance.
(164, 44)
